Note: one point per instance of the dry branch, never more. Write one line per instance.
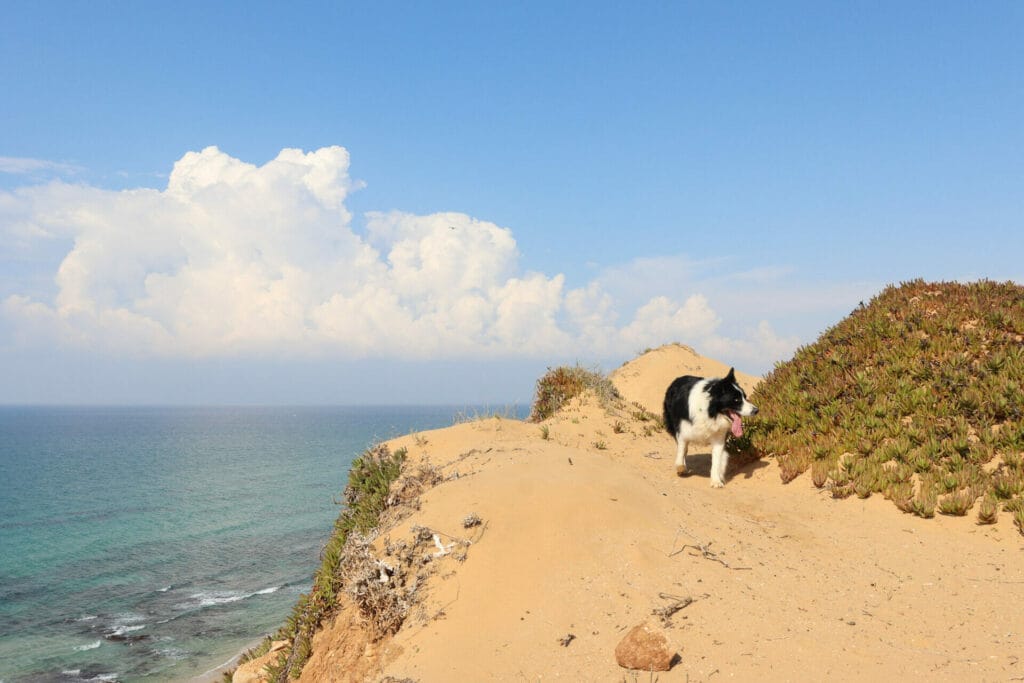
(665, 613)
(705, 550)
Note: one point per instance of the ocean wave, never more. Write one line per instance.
(128, 618)
(123, 626)
(90, 646)
(214, 598)
(175, 654)
(87, 617)
(76, 676)
(164, 589)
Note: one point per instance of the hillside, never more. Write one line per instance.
(526, 551)
(917, 396)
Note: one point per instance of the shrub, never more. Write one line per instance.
(1007, 484)
(958, 503)
(819, 472)
(561, 384)
(925, 378)
(988, 512)
(901, 494)
(923, 504)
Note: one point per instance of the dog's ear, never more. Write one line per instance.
(731, 377)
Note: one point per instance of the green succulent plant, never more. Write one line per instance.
(918, 388)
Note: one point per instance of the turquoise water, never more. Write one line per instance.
(156, 542)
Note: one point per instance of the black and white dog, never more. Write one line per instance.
(705, 410)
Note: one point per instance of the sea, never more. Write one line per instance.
(156, 543)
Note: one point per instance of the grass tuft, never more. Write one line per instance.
(561, 384)
(988, 511)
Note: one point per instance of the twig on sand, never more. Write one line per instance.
(457, 539)
(462, 456)
(707, 553)
(680, 530)
(442, 611)
(665, 613)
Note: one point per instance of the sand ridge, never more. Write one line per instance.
(587, 531)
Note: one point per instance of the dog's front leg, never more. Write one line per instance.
(719, 461)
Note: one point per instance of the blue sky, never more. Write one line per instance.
(480, 190)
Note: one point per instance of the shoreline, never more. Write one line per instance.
(217, 672)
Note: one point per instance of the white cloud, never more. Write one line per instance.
(760, 348)
(236, 259)
(27, 166)
(663, 319)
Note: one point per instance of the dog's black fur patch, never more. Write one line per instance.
(722, 396)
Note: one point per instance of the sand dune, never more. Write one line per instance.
(589, 531)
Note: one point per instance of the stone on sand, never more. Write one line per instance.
(645, 648)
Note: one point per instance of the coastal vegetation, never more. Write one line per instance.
(364, 499)
(560, 385)
(917, 396)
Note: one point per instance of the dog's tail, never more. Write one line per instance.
(671, 425)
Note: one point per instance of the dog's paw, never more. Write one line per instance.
(681, 471)
(717, 484)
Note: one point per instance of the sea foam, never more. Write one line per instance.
(213, 598)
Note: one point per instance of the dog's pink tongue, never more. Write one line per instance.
(737, 425)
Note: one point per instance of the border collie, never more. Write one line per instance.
(705, 410)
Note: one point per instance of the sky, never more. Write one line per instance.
(395, 203)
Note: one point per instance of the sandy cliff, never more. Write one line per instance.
(587, 531)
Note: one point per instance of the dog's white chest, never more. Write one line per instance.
(701, 427)
(704, 429)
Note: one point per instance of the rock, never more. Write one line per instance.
(645, 648)
(246, 674)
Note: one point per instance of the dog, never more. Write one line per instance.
(706, 410)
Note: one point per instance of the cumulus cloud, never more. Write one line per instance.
(236, 259)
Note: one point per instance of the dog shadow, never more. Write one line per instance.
(699, 465)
